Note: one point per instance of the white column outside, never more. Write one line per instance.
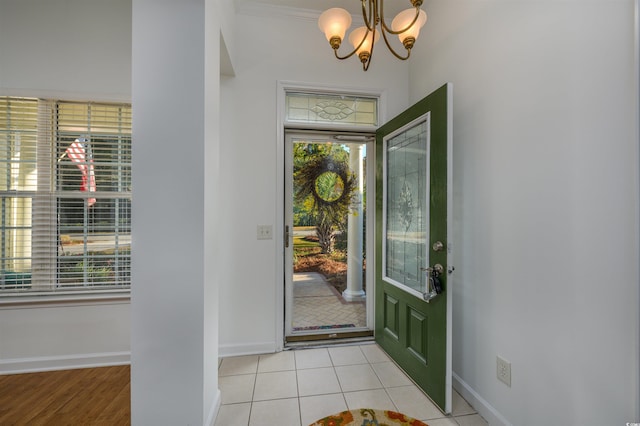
(354, 290)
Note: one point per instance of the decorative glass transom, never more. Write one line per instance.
(334, 109)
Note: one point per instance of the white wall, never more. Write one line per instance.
(36, 337)
(218, 48)
(174, 322)
(289, 48)
(68, 49)
(78, 49)
(546, 203)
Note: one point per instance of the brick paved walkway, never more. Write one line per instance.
(317, 303)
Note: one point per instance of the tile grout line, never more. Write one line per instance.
(253, 391)
(295, 366)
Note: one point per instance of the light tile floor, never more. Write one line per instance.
(298, 387)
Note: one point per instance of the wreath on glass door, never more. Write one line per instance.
(329, 182)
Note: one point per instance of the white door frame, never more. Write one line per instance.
(321, 136)
(282, 88)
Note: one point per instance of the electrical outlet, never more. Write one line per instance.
(503, 370)
(265, 232)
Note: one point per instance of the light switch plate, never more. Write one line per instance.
(265, 232)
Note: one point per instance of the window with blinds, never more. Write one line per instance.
(65, 187)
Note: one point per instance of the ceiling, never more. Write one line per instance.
(354, 6)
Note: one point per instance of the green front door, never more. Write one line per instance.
(413, 204)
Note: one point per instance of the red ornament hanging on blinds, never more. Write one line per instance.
(77, 153)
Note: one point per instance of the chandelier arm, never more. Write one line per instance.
(335, 51)
(390, 31)
(383, 24)
(402, 58)
(369, 18)
(356, 48)
(365, 65)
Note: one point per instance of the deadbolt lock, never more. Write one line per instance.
(438, 246)
(433, 282)
(438, 269)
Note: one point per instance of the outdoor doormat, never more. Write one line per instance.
(323, 327)
(368, 417)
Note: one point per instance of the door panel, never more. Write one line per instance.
(413, 204)
(391, 317)
(417, 333)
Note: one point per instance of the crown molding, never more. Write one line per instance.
(265, 10)
(269, 10)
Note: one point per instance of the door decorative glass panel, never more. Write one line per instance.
(406, 208)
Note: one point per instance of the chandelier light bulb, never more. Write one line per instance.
(334, 23)
(403, 20)
(356, 37)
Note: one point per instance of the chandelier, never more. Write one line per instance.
(406, 25)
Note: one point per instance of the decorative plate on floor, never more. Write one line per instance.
(368, 417)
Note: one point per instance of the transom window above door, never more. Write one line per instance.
(335, 109)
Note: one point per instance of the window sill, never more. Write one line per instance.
(21, 300)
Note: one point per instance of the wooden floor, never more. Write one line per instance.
(91, 396)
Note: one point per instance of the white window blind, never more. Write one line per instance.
(65, 212)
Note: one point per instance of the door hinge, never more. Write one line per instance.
(286, 236)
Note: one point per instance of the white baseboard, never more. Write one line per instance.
(213, 412)
(65, 362)
(486, 410)
(246, 349)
